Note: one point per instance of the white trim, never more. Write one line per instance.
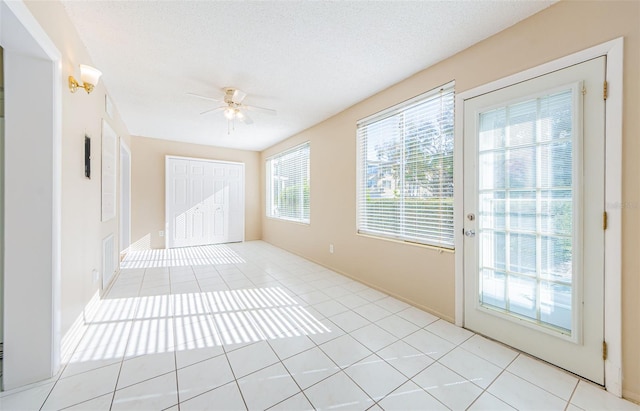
(613, 192)
(458, 208)
(56, 229)
(73, 336)
(203, 159)
(289, 150)
(24, 16)
(403, 105)
(613, 234)
(110, 151)
(125, 147)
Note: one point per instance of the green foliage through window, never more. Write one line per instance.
(288, 184)
(405, 187)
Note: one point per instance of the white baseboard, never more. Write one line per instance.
(72, 337)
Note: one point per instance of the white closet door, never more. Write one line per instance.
(204, 202)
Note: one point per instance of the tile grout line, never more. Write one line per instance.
(573, 392)
(224, 350)
(135, 314)
(410, 379)
(290, 376)
(486, 390)
(175, 337)
(67, 363)
(556, 368)
(209, 313)
(296, 382)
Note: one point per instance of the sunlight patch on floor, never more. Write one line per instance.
(182, 257)
(142, 325)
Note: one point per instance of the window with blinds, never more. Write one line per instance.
(405, 162)
(288, 184)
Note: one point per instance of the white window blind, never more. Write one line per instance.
(405, 183)
(288, 184)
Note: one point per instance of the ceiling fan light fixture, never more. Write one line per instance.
(233, 109)
(229, 113)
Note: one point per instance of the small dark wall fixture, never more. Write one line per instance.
(87, 157)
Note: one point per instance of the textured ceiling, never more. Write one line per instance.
(306, 59)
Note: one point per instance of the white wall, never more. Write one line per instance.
(82, 114)
(32, 208)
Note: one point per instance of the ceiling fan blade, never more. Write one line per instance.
(238, 96)
(246, 119)
(205, 97)
(261, 109)
(213, 109)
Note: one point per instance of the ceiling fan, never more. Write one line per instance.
(233, 108)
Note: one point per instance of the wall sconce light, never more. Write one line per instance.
(89, 77)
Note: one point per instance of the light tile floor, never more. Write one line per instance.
(250, 326)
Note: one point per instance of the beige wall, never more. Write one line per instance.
(148, 186)
(82, 230)
(425, 276)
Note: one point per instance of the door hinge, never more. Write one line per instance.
(604, 220)
(604, 350)
(605, 90)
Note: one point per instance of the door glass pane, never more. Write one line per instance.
(555, 304)
(525, 210)
(522, 210)
(522, 253)
(521, 167)
(493, 289)
(493, 165)
(522, 296)
(492, 129)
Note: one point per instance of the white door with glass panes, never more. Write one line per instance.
(533, 216)
(204, 202)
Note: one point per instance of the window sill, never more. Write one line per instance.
(287, 220)
(405, 242)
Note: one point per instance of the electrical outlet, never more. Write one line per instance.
(161, 233)
(95, 274)
(331, 248)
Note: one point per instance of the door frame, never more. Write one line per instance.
(125, 198)
(33, 73)
(209, 160)
(613, 50)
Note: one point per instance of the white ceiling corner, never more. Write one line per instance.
(308, 60)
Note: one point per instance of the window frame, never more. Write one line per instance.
(269, 184)
(361, 168)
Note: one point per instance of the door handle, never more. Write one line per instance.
(470, 233)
